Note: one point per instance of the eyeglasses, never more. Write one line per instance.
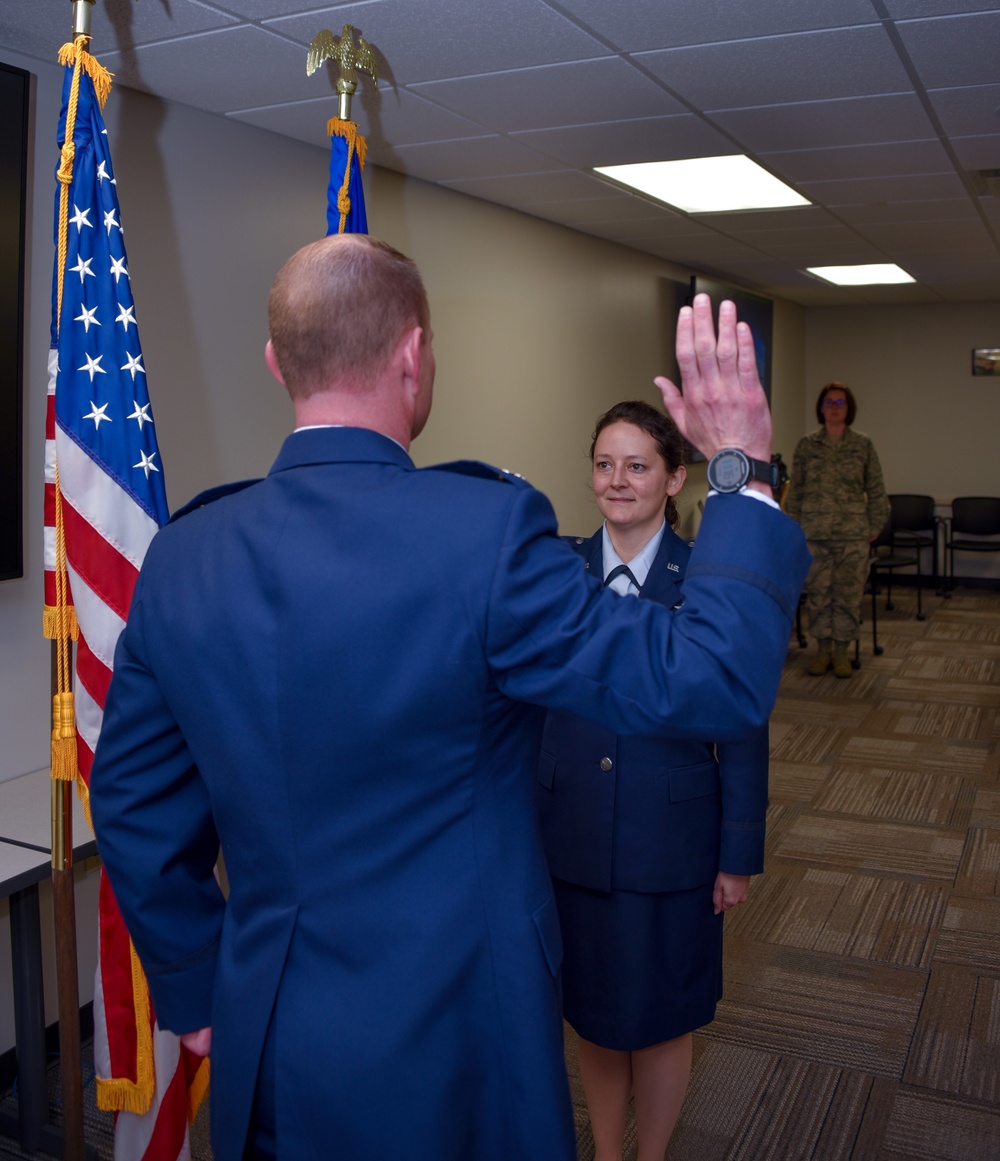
(834, 402)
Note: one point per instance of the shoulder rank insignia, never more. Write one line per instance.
(482, 471)
(210, 496)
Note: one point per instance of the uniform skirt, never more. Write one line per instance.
(638, 969)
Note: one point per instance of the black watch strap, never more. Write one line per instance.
(766, 472)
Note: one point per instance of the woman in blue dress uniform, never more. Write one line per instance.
(649, 840)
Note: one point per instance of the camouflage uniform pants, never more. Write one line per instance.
(834, 587)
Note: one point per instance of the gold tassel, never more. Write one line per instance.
(63, 738)
(90, 64)
(59, 621)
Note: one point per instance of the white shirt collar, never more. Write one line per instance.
(639, 565)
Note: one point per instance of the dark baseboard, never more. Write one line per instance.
(8, 1059)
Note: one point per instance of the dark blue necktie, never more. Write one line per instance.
(621, 570)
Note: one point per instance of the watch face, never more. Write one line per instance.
(729, 471)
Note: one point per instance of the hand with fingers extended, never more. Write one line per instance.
(721, 402)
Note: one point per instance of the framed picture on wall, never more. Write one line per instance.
(986, 360)
(13, 186)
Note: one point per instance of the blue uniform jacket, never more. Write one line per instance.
(648, 813)
(335, 673)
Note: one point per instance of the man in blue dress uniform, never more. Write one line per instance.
(334, 674)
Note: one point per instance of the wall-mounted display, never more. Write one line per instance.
(13, 185)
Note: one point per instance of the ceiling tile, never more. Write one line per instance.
(487, 156)
(908, 157)
(902, 9)
(522, 190)
(827, 124)
(239, 68)
(954, 50)
(883, 190)
(968, 111)
(645, 24)
(945, 237)
(624, 142)
(710, 248)
(929, 213)
(808, 66)
(619, 226)
(812, 247)
(978, 152)
(747, 221)
(567, 94)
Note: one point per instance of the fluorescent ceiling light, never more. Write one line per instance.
(872, 274)
(707, 185)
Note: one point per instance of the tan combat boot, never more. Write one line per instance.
(824, 658)
(841, 666)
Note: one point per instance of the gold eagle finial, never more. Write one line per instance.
(325, 46)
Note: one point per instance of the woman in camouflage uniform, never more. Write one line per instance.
(837, 494)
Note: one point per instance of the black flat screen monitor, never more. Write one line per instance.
(753, 309)
(13, 185)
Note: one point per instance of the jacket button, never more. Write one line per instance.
(606, 764)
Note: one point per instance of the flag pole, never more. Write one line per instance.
(345, 197)
(63, 890)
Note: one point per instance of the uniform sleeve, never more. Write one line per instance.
(710, 671)
(878, 501)
(157, 839)
(743, 768)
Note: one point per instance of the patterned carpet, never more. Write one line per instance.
(862, 1011)
(861, 1020)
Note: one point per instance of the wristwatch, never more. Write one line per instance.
(729, 470)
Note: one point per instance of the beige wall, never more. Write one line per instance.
(934, 424)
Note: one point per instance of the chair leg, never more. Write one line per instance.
(876, 648)
(920, 591)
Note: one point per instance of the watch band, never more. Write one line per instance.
(766, 473)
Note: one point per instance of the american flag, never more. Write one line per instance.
(104, 487)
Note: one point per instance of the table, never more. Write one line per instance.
(25, 861)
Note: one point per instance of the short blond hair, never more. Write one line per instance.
(337, 309)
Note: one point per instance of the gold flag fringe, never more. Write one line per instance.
(133, 1096)
(136, 1096)
(356, 144)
